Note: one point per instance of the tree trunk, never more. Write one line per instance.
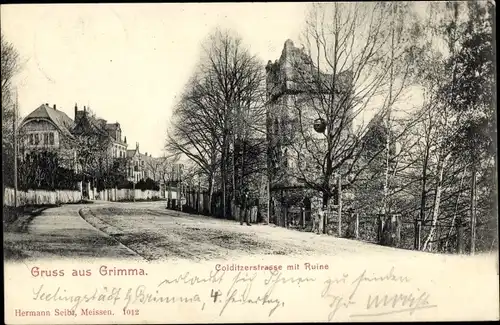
(447, 243)
(388, 123)
(233, 176)
(423, 198)
(473, 211)
(223, 174)
(324, 208)
(339, 198)
(268, 218)
(437, 201)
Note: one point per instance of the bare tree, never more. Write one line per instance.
(354, 53)
(92, 154)
(10, 67)
(219, 111)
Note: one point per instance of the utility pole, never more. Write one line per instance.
(14, 141)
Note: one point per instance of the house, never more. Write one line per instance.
(110, 133)
(137, 165)
(48, 129)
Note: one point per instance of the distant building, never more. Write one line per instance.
(139, 165)
(49, 129)
(86, 123)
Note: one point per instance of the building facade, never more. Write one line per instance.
(48, 129)
(139, 166)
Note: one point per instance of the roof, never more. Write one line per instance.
(88, 122)
(59, 118)
(112, 128)
(131, 152)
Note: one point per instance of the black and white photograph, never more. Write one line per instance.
(155, 134)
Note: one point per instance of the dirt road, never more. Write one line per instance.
(156, 233)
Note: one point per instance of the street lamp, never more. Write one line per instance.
(319, 125)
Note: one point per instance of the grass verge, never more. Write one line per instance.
(17, 219)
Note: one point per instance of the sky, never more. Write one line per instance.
(128, 62)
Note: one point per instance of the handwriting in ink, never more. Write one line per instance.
(215, 294)
(187, 278)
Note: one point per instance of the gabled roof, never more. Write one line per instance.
(59, 118)
(87, 123)
(131, 152)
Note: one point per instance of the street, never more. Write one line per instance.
(148, 231)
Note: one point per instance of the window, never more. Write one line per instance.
(51, 138)
(45, 139)
(37, 139)
(142, 163)
(31, 139)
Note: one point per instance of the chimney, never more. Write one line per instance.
(85, 108)
(137, 146)
(55, 106)
(146, 154)
(76, 110)
(125, 140)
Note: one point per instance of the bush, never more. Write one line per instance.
(42, 170)
(147, 184)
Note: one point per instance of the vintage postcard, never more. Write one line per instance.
(249, 162)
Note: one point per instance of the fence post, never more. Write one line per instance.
(356, 226)
(460, 236)
(285, 219)
(380, 228)
(396, 230)
(418, 229)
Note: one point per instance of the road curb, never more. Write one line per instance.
(87, 215)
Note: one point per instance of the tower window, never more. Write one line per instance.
(51, 138)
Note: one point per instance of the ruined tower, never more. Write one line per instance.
(291, 84)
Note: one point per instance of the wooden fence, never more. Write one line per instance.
(126, 194)
(37, 197)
